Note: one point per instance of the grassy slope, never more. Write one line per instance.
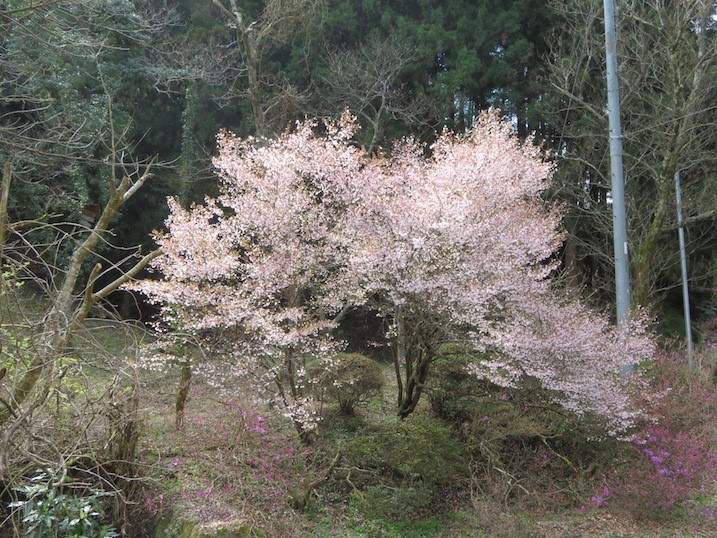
(236, 463)
(228, 466)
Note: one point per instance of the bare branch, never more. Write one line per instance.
(127, 275)
(138, 184)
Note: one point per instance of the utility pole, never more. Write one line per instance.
(683, 266)
(619, 215)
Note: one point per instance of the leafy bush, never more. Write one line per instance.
(526, 450)
(452, 390)
(420, 447)
(398, 468)
(509, 433)
(47, 511)
(396, 503)
(351, 379)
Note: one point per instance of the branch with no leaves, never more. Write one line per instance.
(138, 184)
(91, 298)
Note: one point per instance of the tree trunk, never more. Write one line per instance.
(415, 384)
(415, 361)
(123, 433)
(399, 358)
(189, 154)
(246, 38)
(185, 383)
(42, 362)
(645, 271)
(571, 262)
(254, 87)
(4, 198)
(64, 317)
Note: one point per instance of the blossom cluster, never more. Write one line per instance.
(306, 227)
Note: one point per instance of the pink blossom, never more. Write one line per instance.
(307, 226)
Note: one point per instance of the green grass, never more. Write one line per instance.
(383, 528)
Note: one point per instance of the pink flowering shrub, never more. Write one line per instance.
(601, 497)
(675, 457)
(268, 464)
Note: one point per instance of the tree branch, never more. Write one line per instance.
(138, 184)
(4, 197)
(127, 276)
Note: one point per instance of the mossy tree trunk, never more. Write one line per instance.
(185, 383)
(414, 354)
(64, 316)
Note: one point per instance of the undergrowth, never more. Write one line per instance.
(473, 458)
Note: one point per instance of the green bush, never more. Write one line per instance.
(452, 390)
(396, 503)
(527, 450)
(399, 468)
(418, 448)
(47, 511)
(351, 380)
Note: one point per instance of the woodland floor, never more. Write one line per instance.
(235, 464)
(223, 471)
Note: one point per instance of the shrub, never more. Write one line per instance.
(396, 503)
(452, 390)
(526, 449)
(419, 448)
(351, 379)
(398, 468)
(675, 456)
(48, 511)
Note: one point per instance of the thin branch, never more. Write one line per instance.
(127, 276)
(138, 184)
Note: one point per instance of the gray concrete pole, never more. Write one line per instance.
(683, 266)
(619, 215)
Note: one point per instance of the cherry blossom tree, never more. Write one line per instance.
(458, 247)
(256, 264)
(446, 240)
(454, 247)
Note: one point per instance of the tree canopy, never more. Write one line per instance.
(453, 247)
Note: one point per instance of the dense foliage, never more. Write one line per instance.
(351, 379)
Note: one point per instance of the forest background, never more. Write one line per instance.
(176, 76)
